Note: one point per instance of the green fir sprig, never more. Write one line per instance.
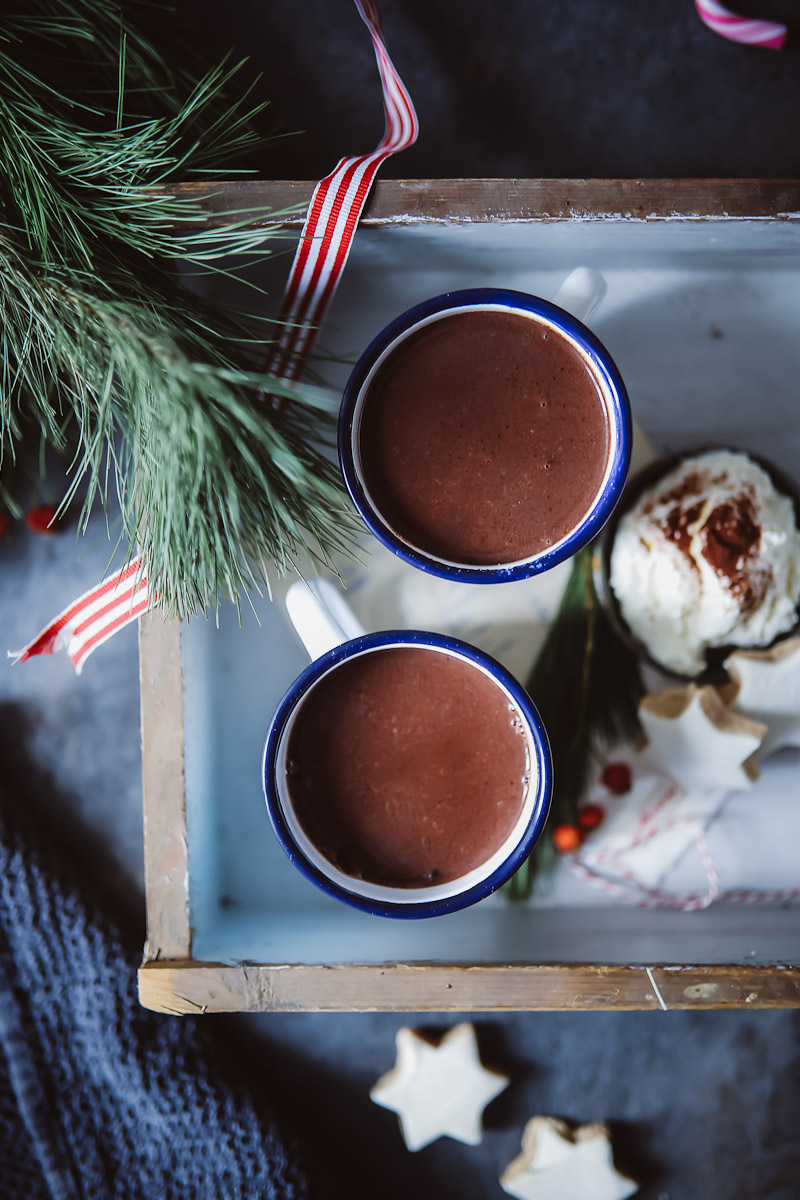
(156, 390)
(586, 685)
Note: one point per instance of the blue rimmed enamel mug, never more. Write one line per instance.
(321, 602)
(597, 360)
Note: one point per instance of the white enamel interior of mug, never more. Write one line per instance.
(402, 895)
(603, 387)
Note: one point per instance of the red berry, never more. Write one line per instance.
(617, 778)
(3, 523)
(590, 816)
(567, 838)
(39, 519)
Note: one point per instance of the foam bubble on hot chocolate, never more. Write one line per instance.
(708, 557)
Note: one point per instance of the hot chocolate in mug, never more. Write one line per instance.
(405, 773)
(485, 435)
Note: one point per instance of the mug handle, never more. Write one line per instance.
(321, 616)
(581, 292)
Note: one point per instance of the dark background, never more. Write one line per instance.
(523, 88)
(702, 1105)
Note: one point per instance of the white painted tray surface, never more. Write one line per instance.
(703, 320)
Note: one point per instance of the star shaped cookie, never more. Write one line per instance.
(765, 684)
(561, 1163)
(439, 1090)
(695, 739)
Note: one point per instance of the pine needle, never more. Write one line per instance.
(587, 686)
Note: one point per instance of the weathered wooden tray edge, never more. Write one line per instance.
(184, 988)
(451, 201)
(169, 980)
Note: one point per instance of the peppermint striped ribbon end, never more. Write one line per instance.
(94, 617)
(768, 34)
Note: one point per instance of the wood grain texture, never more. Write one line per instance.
(163, 784)
(190, 987)
(406, 201)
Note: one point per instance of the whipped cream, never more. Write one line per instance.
(708, 557)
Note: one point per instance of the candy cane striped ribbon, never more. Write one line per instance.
(320, 259)
(333, 215)
(727, 24)
(94, 617)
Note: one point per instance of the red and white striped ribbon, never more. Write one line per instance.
(94, 617)
(727, 24)
(318, 264)
(333, 215)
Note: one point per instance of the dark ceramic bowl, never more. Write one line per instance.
(714, 671)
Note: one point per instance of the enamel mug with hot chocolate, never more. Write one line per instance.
(485, 435)
(406, 773)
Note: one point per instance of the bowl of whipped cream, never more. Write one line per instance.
(703, 555)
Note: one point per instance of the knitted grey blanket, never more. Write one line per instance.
(98, 1097)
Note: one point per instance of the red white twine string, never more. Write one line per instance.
(607, 872)
(320, 259)
(626, 887)
(767, 34)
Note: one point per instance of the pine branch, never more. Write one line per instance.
(586, 685)
(209, 477)
(153, 388)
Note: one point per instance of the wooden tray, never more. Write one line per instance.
(701, 315)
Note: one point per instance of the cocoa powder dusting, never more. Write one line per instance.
(692, 485)
(731, 535)
(676, 526)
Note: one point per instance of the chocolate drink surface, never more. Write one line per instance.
(484, 438)
(407, 767)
